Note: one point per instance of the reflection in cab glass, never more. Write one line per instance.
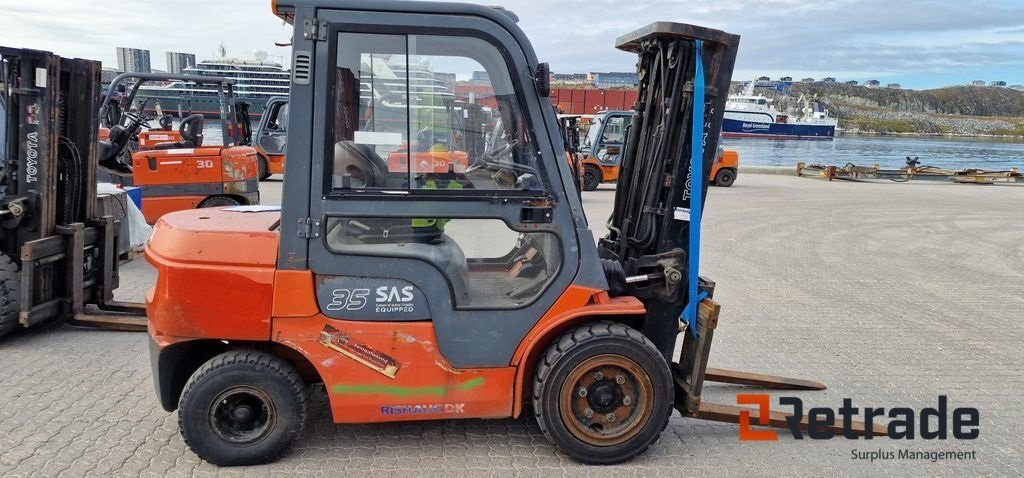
(499, 268)
(420, 112)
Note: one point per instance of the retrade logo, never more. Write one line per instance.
(931, 423)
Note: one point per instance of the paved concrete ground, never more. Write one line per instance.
(892, 294)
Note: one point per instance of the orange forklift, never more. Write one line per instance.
(476, 290)
(272, 137)
(182, 173)
(602, 147)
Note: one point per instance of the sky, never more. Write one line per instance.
(918, 43)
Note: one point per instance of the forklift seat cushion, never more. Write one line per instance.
(191, 130)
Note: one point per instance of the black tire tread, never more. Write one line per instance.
(723, 183)
(596, 170)
(10, 290)
(228, 200)
(572, 339)
(259, 361)
(262, 167)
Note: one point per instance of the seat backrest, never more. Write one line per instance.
(362, 163)
(166, 122)
(191, 130)
(119, 138)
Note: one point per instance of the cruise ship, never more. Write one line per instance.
(750, 115)
(256, 81)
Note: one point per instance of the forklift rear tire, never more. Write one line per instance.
(591, 177)
(10, 290)
(262, 167)
(220, 201)
(603, 393)
(242, 407)
(725, 178)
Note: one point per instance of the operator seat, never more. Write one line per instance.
(110, 149)
(191, 130)
(366, 168)
(166, 122)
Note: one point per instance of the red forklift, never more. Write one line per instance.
(185, 172)
(272, 137)
(420, 293)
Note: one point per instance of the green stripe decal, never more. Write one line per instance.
(398, 391)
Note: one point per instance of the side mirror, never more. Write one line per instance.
(542, 80)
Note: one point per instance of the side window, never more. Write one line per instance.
(615, 129)
(487, 264)
(425, 112)
(279, 122)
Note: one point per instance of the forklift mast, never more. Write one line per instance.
(684, 73)
(61, 255)
(49, 114)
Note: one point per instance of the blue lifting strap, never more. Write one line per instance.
(694, 296)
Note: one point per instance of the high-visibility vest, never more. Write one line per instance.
(436, 222)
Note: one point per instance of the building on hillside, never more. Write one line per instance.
(978, 83)
(133, 60)
(893, 86)
(786, 78)
(177, 62)
(852, 83)
(613, 79)
(872, 83)
(1017, 87)
(997, 83)
(808, 80)
(763, 78)
(480, 76)
(569, 78)
(829, 79)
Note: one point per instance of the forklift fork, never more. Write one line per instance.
(691, 371)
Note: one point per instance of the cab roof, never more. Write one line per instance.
(286, 8)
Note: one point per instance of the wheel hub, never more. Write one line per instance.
(603, 396)
(606, 400)
(242, 415)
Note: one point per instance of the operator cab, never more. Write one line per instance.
(605, 138)
(272, 137)
(401, 133)
(434, 166)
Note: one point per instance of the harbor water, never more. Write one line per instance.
(886, 151)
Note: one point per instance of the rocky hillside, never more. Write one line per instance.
(957, 110)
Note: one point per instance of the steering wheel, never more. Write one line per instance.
(492, 159)
(137, 121)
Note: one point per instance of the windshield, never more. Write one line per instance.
(595, 129)
(421, 112)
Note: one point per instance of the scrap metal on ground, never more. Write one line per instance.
(912, 171)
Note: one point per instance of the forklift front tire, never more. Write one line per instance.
(262, 167)
(10, 282)
(242, 407)
(591, 177)
(220, 201)
(725, 177)
(603, 393)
